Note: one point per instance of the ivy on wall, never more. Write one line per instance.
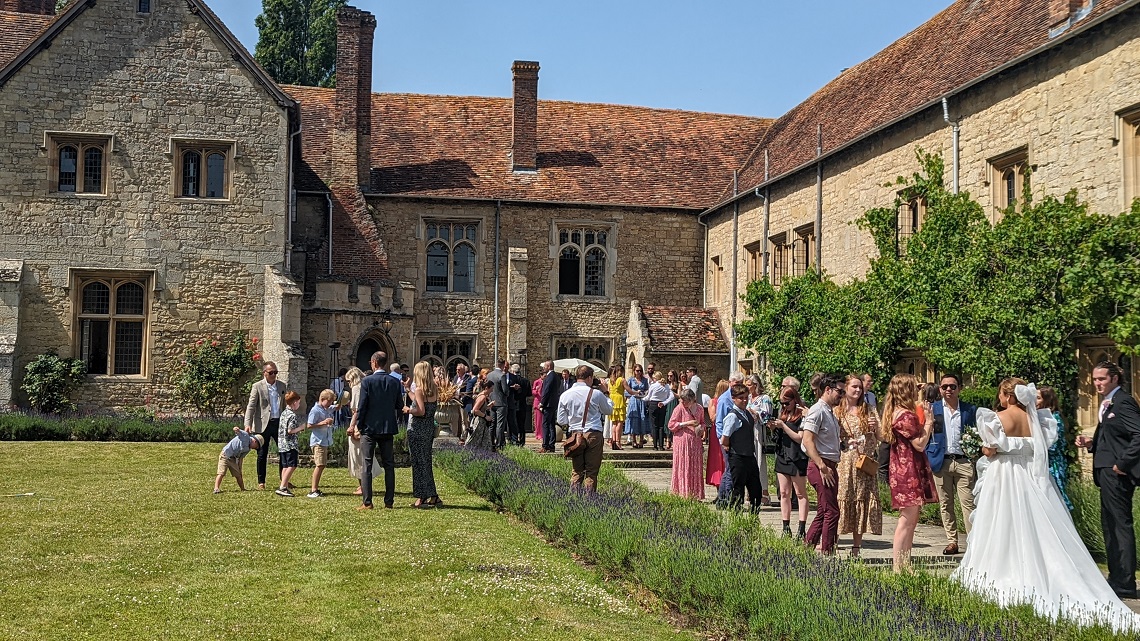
(986, 300)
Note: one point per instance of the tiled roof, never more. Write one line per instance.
(684, 329)
(964, 42)
(451, 146)
(19, 30)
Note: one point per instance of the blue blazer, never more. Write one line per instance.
(380, 405)
(936, 449)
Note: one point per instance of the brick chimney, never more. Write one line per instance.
(40, 7)
(1061, 10)
(352, 159)
(524, 140)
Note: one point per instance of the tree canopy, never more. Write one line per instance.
(986, 300)
(297, 41)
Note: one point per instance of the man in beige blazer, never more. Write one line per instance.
(263, 413)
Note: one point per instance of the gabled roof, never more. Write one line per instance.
(449, 146)
(968, 41)
(34, 33)
(19, 30)
(688, 330)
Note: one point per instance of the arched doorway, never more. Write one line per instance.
(374, 341)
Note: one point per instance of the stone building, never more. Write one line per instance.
(995, 87)
(144, 194)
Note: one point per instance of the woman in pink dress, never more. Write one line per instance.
(912, 483)
(688, 427)
(536, 392)
(714, 467)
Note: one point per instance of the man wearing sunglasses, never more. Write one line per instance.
(953, 470)
(263, 413)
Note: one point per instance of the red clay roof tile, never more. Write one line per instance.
(684, 329)
(19, 30)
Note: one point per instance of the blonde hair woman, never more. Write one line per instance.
(912, 483)
(859, 508)
(421, 433)
(353, 377)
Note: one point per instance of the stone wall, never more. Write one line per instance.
(654, 257)
(142, 80)
(1063, 107)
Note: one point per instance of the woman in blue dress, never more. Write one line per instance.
(637, 424)
(1058, 465)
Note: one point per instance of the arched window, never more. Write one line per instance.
(449, 352)
(437, 260)
(594, 350)
(1009, 186)
(93, 169)
(111, 325)
(451, 256)
(569, 264)
(68, 168)
(203, 169)
(215, 175)
(582, 261)
(191, 173)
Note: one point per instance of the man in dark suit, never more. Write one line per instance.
(548, 405)
(1115, 447)
(953, 470)
(522, 407)
(377, 421)
(498, 405)
(511, 384)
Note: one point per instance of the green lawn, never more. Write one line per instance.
(126, 541)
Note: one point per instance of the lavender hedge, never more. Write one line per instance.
(730, 572)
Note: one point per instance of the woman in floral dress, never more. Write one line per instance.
(859, 508)
(912, 483)
(1058, 465)
(637, 424)
(687, 424)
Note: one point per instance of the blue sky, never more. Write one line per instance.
(757, 58)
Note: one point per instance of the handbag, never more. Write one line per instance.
(576, 441)
(867, 465)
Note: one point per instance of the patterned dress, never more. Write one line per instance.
(859, 508)
(421, 433)
(687, 452)
(1058, 466)
(637, 422)
(912, 483)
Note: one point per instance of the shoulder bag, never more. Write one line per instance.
(576, 441)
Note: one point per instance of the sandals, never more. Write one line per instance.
(435, 501)
(421, 504)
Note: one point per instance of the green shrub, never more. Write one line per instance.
(49, 381)
(42, 427)
(216, 373)
(980, 396)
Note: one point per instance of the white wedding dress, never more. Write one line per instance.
(1023, 546)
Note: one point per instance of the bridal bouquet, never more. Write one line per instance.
(971, 442)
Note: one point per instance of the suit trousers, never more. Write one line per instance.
(501, 413)
(1116, 520)
(956, 478)
(825, 527)
(745, 476)
(549, 429)
(724, 490)
(657, 420)
(369, 445)
(270, 432)
(517, 430)
(587, 463)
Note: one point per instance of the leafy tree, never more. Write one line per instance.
(49, 381)
(985, 300)
(297, 41)
(216, 374)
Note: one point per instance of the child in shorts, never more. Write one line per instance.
(321, 420)
(287, 431)
(232, 456)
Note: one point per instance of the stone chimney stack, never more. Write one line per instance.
(352, 155)
(1061, 10)
(41, 7)
(524, 143)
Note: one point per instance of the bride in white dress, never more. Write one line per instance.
(1023, 546)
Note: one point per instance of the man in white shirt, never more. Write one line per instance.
(695, 382)
(581, 408)
(821, 443)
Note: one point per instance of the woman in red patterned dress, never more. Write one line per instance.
(687, 425)
(912, 483)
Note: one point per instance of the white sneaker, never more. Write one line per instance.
(315, 494)
(283, 491)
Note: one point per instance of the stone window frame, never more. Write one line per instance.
(1007, 174)
(443, 341)
(716, 281)
(576, 347)
(1128, 124)
(802, 249)
(79, 280)
(909, 217)
(778, 268)
(609, 248)
(451, 245)
(478, 286)
(145, 7)
(754, 265)
(82, 142)
(205, 148)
